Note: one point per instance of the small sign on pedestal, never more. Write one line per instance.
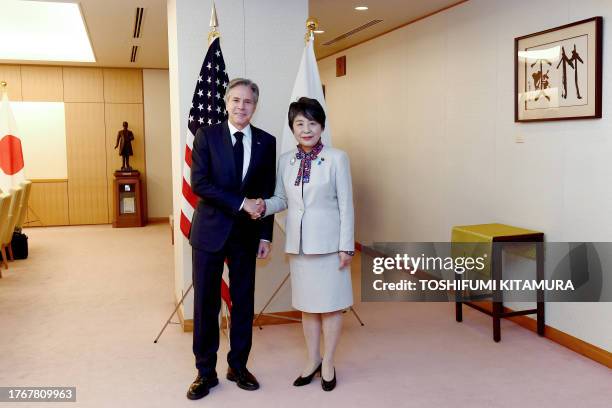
(128, 208)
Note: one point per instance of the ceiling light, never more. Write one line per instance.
(43, 31)
(319, 31)
(361, 8)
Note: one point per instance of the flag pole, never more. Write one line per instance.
(312, 24)
(212, 35)
(214, 23)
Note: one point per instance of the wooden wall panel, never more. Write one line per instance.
(48, 203)
(123, 85)
(11, 74)
(83, 84)
(97, 101)
(42, 84)
(116, 114)
(86, 148)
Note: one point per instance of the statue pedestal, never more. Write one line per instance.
(128, 203)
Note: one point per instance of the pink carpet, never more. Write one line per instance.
(84, 309)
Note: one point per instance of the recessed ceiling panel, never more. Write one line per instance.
(43, 31)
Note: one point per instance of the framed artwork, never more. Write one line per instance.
(557, 73)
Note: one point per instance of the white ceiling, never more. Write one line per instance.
(111, 22)
(111, 28)
(337, 17)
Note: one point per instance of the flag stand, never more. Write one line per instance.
(173, 313)
(30, 209)
(261, 312)
(224, 310)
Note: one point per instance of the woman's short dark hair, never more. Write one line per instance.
(310, 108)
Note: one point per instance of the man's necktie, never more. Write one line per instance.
(239, 154)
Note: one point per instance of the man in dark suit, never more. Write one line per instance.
(231, 161)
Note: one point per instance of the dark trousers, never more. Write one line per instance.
(240, 252)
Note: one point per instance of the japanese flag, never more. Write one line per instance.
(307, 83)
(11, 155)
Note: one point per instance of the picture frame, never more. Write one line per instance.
(558, 73)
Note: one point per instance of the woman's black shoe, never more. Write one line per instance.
(306, 380)
(328, 385)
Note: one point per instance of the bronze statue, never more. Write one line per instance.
(124, 141)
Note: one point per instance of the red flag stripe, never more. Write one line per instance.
(188, 156)
(225, 294)
(185, 225)
(191, 198)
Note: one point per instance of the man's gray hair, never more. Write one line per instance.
(245, 82)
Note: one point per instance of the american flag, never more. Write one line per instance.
(207, 108)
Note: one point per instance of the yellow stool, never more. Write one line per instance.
(497, 235)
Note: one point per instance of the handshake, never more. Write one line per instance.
(255, 207)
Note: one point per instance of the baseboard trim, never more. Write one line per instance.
(588, 350)
(158, 220)
(264, 320)
(566, 340)
(268, 319)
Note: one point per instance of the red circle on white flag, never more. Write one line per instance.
(11, 156)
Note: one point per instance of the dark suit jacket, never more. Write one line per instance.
(214, 180)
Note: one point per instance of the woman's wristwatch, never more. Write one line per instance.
(349, 253)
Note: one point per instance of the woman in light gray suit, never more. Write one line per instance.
(313, 183)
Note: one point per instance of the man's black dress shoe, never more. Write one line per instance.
(328, 385)
(200, 386)
(243, 378)
(306, 380)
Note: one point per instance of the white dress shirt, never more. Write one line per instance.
(247, 140)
